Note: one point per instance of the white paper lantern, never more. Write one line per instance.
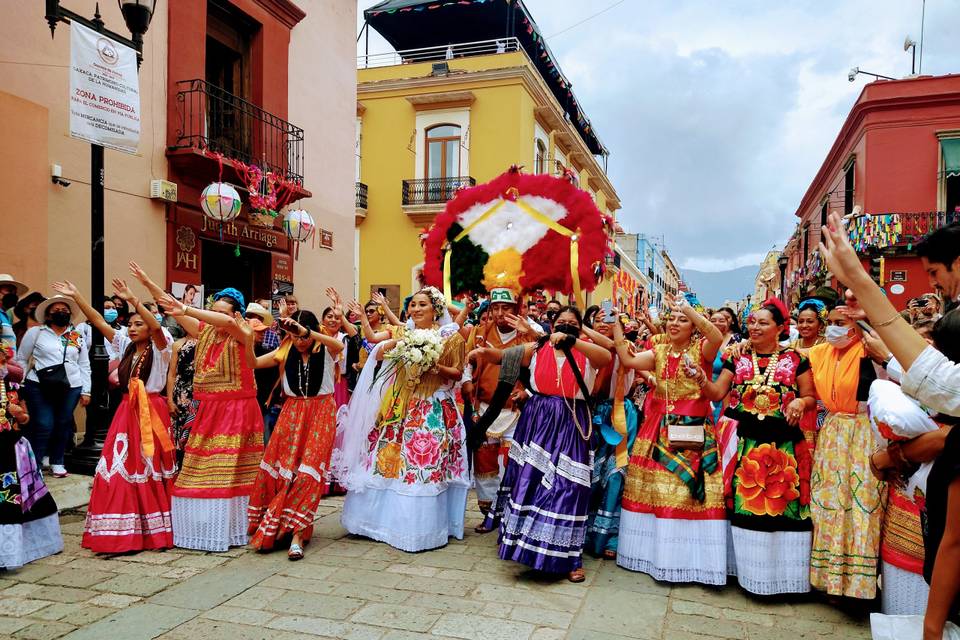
(220, 202)
(299, 225)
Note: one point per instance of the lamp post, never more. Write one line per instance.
(137, 15)
(782, 262)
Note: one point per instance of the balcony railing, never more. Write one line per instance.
(361, 196)
(882, 230)
(434, 190)
(215, 120)
(439, 53)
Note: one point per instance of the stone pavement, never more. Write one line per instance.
(357, 589)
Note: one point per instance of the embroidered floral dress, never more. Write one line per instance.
(415, 491)
(770, 478)
(29, 522)
(183, 395)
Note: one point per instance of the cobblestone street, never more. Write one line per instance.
(360, 590)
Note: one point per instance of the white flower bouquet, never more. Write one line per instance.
(418, 349)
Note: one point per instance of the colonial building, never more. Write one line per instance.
(224, 84)
(470, 90)
(653, 261)
(897, 159)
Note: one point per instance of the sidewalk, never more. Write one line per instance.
(361, 590)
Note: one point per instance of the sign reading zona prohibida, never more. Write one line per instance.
(104, 90)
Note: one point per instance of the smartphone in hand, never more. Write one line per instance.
(608, 316)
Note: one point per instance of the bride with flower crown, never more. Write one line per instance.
(403, 453)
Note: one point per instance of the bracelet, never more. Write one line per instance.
(885, 323)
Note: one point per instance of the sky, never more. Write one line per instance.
(719, 114)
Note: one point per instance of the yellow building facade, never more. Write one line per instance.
(426, 128)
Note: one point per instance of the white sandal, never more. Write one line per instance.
(295, 553)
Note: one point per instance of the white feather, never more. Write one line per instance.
(510, 227)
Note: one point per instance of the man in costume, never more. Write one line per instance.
(490, 458)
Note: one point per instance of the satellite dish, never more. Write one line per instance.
(909, 42)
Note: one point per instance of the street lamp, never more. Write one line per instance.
(782, 262)
(137, 15)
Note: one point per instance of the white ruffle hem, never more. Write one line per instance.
(209, 524)
(673, 550)
(408, 523)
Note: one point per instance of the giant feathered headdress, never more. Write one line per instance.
(518, 231)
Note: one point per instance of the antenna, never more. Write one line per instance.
(923, 15)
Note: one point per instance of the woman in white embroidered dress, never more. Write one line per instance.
(403, 458)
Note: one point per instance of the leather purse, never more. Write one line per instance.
(684, 432)
(55, 376)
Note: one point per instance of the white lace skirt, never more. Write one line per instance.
(408, 523)
(209, 524)
(771, 562)
(904, 593)
(23, 543)
(673, 550)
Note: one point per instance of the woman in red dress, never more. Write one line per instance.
(130, 504)
(296, 464)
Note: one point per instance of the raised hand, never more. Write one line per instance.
(242, 323)
(122, 290)
(334, 297)
(282, 308)
(137, 272)
(519, 323)
(379, 298)
(355, 307)
(838, 253)
(171, 306)
(65, 288)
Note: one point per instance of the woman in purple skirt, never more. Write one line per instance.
(545, 492)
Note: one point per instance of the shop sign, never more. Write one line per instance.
(242, 231)
(282, 267)
(326, 239)
(898, 276)
(186, 258)
(104, 91)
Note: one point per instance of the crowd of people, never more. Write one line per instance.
(811, 449)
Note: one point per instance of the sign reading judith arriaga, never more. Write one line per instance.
(104, 91)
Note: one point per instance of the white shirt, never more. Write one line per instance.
(934, 381)
(42, 348)
(627, 379)
(326, 387)
(156, 379)
(87, 332)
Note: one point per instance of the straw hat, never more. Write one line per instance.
(257, 309)
(6, 278)
(41, 312)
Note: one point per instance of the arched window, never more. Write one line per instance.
(540, 162)
(443, 151)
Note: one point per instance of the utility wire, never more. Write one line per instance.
(590, 17)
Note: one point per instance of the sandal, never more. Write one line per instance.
(482, 528)
(577, 575)
(295, 553)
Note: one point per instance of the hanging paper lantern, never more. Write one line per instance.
(220, 202)
(299, 225)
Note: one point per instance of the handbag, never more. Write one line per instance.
(683, 432)
(55, 375)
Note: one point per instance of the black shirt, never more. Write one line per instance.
(945, 470)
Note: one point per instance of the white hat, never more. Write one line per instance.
(502, 294)
(259, 310)
(41, 313)
(6, 278)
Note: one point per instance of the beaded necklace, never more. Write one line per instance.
(766, 398)
(303, 371)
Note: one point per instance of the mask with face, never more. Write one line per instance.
(60, 318)
(839, 337)
(158, 316)
(552, 315)
(9, 300)
(110, 315)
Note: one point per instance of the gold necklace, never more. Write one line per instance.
(763, 385)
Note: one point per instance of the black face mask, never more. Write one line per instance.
(569, 329)
(552, 315)
(9, 300)
(60, 318)
(632, 335)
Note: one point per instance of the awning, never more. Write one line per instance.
(412, 24)
(951, 156)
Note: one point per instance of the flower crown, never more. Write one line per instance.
(436, 299)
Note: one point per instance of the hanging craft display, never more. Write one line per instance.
(519, 231)
(876, 230)
(220, 202)
(262, 195)
(299, 226)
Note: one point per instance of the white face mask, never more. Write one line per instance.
(839, 337)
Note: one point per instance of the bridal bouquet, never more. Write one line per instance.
(418, 350)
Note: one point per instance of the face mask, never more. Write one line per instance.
(839, 337)
(60, 318)
(552, 315)
(569, 329)
(110, 315)
(10, 301)
(632, 335)
(158, 316)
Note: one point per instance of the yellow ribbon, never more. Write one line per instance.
(150, 423)
(539, 217)
(619, 419)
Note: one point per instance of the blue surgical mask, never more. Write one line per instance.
(159, 317)
(110, 315)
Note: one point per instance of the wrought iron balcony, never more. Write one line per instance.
(215, 120)
(361, 196)
(433, 190)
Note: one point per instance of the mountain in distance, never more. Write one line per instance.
(713, 288)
